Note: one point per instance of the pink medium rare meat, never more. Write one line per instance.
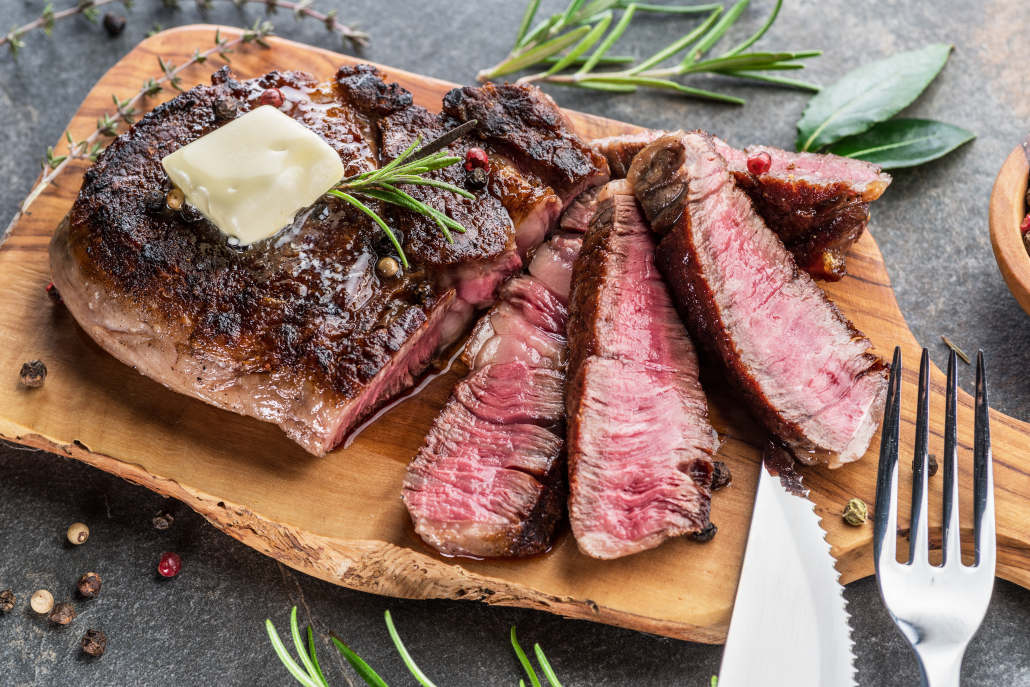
(818, 204)
(640, 444)
(490, 480)
(804, 371)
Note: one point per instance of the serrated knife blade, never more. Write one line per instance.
(789, 626)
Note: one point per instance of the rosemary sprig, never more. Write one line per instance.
(561, 43)
(406, 168)
(89, 9)
(309, 673)
(89, 147)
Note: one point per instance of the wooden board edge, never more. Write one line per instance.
(373, 566)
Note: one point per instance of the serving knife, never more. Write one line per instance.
(789, 627)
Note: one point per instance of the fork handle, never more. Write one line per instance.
(940, 668)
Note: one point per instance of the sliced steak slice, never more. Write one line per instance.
(804, 371)
(300, 329)
(467, 497)
(524, 123)
(817, 204)
(640, 444)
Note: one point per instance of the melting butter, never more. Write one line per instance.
(253, 175)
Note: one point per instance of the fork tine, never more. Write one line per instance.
(885, 531)
(919, 537)
(952, 542)
(983, 473)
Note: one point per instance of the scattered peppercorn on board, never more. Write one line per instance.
(340, 518)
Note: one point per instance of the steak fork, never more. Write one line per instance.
(938, 609)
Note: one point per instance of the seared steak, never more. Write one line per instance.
(490, 480)
(640, 444)
(298, 329)
(804, 371)
(817, 204)
(523, 122)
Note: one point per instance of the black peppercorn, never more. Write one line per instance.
(931, 465)
(422, 292)
(94, 643)
(6, 600)
(721, 476)
(114, 24)
(154, 201)
(225, 108)
(476, 178)
(62, 614)
(163, 520)
(89, 585)
(53, 294)
(706, 534)
(33, 373)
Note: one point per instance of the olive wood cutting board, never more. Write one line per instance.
(340, 517)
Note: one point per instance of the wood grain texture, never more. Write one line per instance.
(1008, 207)
(340, 518)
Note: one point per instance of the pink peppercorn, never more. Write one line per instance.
(476, 158)
(760, 163)
(273, 97)
(1025, 226)
(170, 565)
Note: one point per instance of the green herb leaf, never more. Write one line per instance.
(872, 93)
(527, 19)
(545, 665)
(903, 142)
(284, 656)
(526, 665)
(360, 667)
(405, 656)
(314, 657)
(584, 45)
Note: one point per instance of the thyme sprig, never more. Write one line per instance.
(407, 168)
(126, 110)
(561, 43)
(349, 33)
(309, 673)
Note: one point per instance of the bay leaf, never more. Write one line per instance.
(873, 93)
(903, 142)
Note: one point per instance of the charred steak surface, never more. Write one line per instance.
(805, 372)
(640, 444)
(299, 329)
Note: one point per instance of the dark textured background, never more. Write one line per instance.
(206, 626)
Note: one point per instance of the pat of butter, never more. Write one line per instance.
(251, 176)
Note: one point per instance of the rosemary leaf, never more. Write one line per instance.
(611, 87)
(378, 220)
(405, 201)
(584, 45)
(567, 17)
(677, 46)
(751, 60)
(758, 34)
(363, 670)
(715, 34)
(545, 666)
(526, 665)
(609, 41)
(527, 19)
(605, 60)
(533, 56)
(405, 656)
(284, 656)
(299, 645)
(779, 80)
(671, 9)
(421, 181)
(314, 657)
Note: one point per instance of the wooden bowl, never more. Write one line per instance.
(1008, 208)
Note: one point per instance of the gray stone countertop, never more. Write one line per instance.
(205, 627)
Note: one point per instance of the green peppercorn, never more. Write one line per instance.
(855, 513)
